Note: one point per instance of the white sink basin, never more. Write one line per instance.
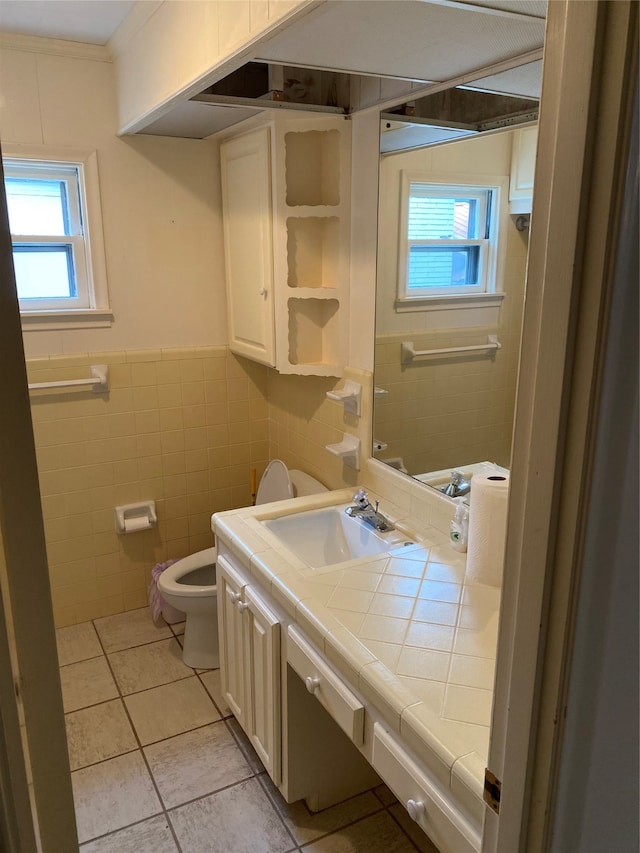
(324, 537)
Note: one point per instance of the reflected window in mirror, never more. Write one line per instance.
(449, 240)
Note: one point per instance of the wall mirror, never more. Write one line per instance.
(456, 182)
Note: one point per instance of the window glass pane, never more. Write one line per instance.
(433, 218)
(443, 266)
(37, 206)
(44, 272)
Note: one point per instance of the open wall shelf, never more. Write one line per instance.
(313, 251)
(312, 167)
(314, 331)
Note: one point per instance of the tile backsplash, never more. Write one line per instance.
(183, 427)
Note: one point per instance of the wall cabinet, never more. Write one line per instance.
(523, 166)
(285, 189)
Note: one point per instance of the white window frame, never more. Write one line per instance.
(492, 252)
(90, 307)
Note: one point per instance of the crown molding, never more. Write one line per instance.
(55, 47)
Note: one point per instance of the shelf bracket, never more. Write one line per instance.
(350, 395)
(348, 450)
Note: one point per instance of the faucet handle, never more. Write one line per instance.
(361, 498)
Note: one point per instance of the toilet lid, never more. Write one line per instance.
(275, 484)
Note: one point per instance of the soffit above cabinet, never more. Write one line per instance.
(344, 56)
(409, 39)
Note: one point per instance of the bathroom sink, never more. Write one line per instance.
(324, 537)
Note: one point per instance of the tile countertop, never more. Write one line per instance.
(403, 627)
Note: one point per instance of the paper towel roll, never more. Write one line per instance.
(487, 528)
(140, 522)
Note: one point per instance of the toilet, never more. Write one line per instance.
(189, 585)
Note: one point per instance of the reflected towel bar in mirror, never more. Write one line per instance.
(409, 354)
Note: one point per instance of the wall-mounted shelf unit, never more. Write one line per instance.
(300, 245)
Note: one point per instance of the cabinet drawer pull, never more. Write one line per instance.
(415, 809)
(263, 291)
(241, 605)
(234, 597)
(312, 683)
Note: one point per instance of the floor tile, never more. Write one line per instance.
(196, 763)
(148, 666)
(419, 838)
(240, 819)
(211, 680)
(112, 795)
(376, 834)
(133, 628)
(97, 733)
(77, 642)
(85, 683)
(305, 826)
(165, 711)
(251, 756)
(150, 836)
(385, 795)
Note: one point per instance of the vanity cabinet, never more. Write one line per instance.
(249, 635)
(286, 207)
(316, 734)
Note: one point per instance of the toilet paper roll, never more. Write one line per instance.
(487, 528)
(139, 522)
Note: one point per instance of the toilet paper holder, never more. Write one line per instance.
(137, 516)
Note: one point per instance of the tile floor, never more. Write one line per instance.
(159, 764)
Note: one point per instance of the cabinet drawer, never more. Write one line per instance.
(434, 813)
(320, 680)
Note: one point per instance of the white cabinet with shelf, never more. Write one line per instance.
(523, 166)
(293, 283)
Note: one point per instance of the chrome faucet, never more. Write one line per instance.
(458, 485)
(368, 513)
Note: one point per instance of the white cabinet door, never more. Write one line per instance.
(248, 244)
(250, 664)
(262, 638)
(230, 627)
(523, 166)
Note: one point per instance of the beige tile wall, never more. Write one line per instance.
(183, 427)
(302, 421)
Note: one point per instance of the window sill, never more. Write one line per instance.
(447, 303)
(89, 318)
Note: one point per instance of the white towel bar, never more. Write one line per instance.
(99, 381)
(409, 354)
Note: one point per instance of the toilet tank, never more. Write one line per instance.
(304, 484)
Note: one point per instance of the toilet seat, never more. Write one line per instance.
(275, 484)
(169, 581)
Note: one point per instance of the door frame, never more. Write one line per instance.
(585, 116)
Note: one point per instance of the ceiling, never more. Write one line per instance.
(88, 21)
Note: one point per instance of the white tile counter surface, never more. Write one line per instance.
(403, 627)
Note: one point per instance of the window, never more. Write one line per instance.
(59, 270)
(449, 240)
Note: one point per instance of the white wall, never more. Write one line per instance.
(160, 206)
